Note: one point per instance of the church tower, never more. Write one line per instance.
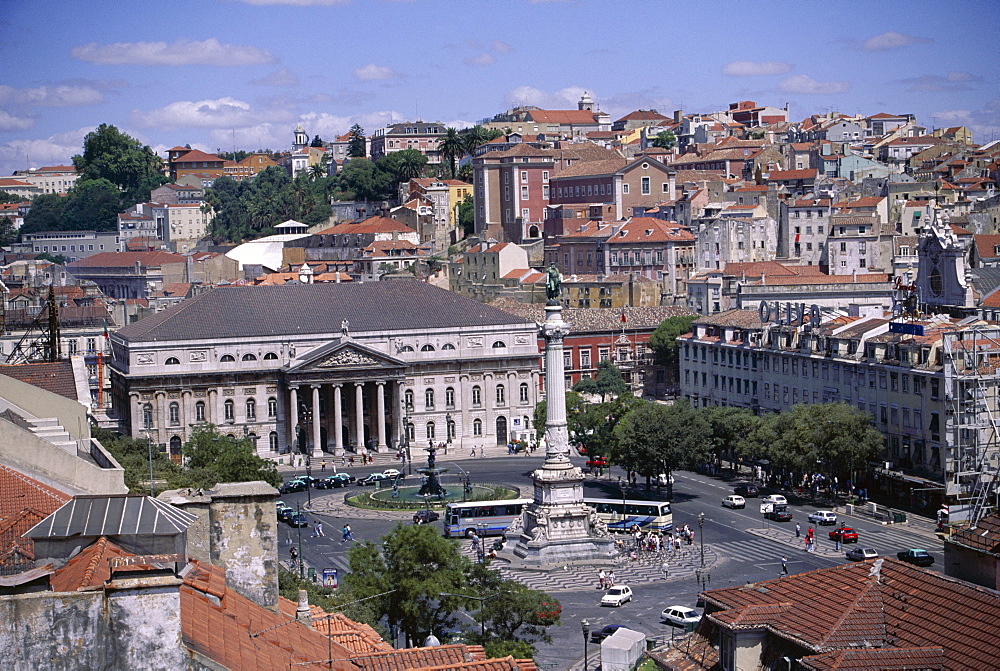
(301, 138)
(586, 103)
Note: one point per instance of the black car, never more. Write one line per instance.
(748, 491)
(297, 520)
(327, 483)
(599, 635)
(373, 479)
(340, 479)
(292, 486)
(779, 516)
(285, 513)
(425, 516)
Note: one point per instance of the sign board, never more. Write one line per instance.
(330, 578)
(908, 329)
(766, 508)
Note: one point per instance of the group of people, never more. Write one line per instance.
(654, 542)
(605, 580)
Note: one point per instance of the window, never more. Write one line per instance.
(447, 345)
(499, 344)
(227, 358)
(230, 413)
(501, 395)
(249, 357)
(644, 186)
(174, 414)
(524, 177)
(624, 188)
(272, 407)
(172, 361)
(270, 356)
(545, 175)
(408, 399)
(585, 358)
(430, 431)
(523, 397)
(199, 411)
(603, 353)
(477, 427)
(411, 432)
(405, 348)
(272, 441)
(477, 396)
(147, 416)
(449, 398)
(450, 430)
(429, 399)
(427, 348)
(524, 193)
(251, 410)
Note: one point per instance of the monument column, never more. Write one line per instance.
(338, 422)
(316, 451)
(293, 414)
(359, 416)
(380, 414)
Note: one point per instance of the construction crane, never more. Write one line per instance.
(40, 341)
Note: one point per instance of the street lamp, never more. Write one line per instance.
(482, 542)
(585, 626)
(621, 487)
(701, 532)
(703, 577)
(406, 436)
(447, 427)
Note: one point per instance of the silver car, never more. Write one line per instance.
(823, 517)
(861, 554)
(680, 615)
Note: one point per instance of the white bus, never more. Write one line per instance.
(490, 518)
(622, 515)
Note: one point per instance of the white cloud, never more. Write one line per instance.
(502, 47)
(755, 68)
(566, 98)
(181, 52)
(51, 96)
(54, 150)
(984, 123)
(220, 113)
(282, 77)
(953, 81)
(806, 84)
(485, 58)
(372, 72)
(11, 122)
(891, 40)
(277, 136)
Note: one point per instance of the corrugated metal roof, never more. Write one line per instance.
(113, 516)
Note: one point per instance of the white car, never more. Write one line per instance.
(617, 595)
(662, 479)
(776, 499)
(823, 517)
(734, 501)
(680, 615)
(390, 472)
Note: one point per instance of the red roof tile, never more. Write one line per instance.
(56, 377)
(126, 259)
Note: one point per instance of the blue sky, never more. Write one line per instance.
(224, 73)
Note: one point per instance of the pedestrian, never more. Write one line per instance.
(473, 451)
(319, 530)
(784, 566)
(611, 578)
(346, 533)
(293, 554)
(322, 465)
(602, 579)
(482, 451)
(798, 530)
(314, 534)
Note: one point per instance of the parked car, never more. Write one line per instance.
(844, 535)
(861, 554)
(823, 517)
(425, 516)
(776, 499)
(916, 557)
(662, 480)
(599, 635)
(597, 462)
(749, 491)
(292, 486)
(392, 473)
(324, 483)
(372, 479)
(779, 515)
(734, 501)
(680, 615)
(297, 520)
(340, 479)
(617, 595)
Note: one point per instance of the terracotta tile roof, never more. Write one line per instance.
(56, 377)
(174, 289)
(595, 319)
(369, 225)
(588, 168)
(739, 318)
(196, 155)
(828, 279)
(783, 175)
(90, 568)
(905, 659)
(24, 502)
(755, 268)
(563, 116)
(643, 115)
(126, 260)
(985, 537)
(505, 664)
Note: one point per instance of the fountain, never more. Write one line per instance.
(432, 487)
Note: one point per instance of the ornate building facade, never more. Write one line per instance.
(328, 368)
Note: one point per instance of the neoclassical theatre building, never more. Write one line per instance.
(340, 366)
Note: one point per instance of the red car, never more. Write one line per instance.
(597, 462)
(844, 535)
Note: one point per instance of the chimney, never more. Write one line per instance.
(302, 609)
(678, 116)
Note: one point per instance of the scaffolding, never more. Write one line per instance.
(40, 341)
(971, 367)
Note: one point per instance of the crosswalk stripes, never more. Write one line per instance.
(752, 550)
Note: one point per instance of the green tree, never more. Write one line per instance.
(609, 382)
(92, 204)
(220, 458)
(134, 456)
(317, 171)
(573, 405)
(665, 139)
(401, 166)
(122, 160)
(357, 145)
(663, 340)
(45, 213)
(54, 258)
(452, 147)
(510, 611)
(360, 179)
(416, 564)
(730, 429)
(467, 215)
(654, 438)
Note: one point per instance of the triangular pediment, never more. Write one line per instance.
(344, 356)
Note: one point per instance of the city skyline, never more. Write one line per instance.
(242, 73)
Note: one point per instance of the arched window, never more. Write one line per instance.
(147, 416)
(229, 408)
(270, 356)
(199, 411)
(523, 393)
(175, 444)
(272, 407)
(254, 438)
(408, 399)
(451, 430)
(501, 395)
(449, 398)
(411, 432)
(499, 344)
(227, 358)
(174, 413)
(251, 409)
(427, 348)
(249, 357)
(430, 431)
(272, 441)
(429, 399)
(231, 435)
(405, 348)
(447, 345)
(172, 361)
(477, 396)
(477, 427)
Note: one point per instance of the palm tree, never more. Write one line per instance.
(452, 147)
(317, 171)
(411, 163)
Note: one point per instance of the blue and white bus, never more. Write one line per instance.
(490, 518)
(621, 515)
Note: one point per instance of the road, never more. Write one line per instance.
(748, 548)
